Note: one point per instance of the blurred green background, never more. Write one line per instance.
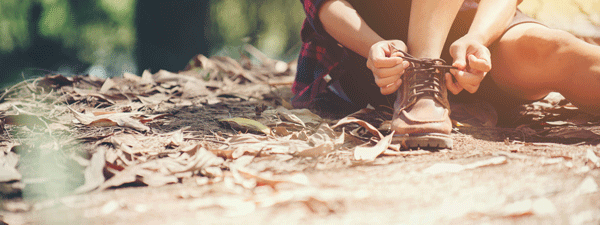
(108, 37)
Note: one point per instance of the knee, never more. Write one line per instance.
(541, 46)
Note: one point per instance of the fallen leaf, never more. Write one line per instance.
(132, 77)
(57, 81)
(370, 153)
(388, 152)
(297, 179)
(289, 116)
(94, 173)
(488, 162)
(439, 168)
(108, 84)
(194, 88)
(518, 209)
(592, 159)
(317, 151)
(246, 125)
(115, 119)
(369, 127)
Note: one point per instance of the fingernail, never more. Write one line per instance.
(405, 64)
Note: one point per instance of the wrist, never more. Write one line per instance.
(479, 37)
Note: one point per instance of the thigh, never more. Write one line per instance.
(517, 60)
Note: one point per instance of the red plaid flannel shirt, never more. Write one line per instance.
(320, 53)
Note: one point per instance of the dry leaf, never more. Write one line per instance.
(132, 77)
(439, 168)
(347, 120)
(146, 78)
(94, 175)
(108, 84)
(246, 125)
(287, 115)
(115, 119)
(388, 152)
(370, 153)
(297, 179)
(320, 150)
(8, 170)
(592, 159)
(194, 88)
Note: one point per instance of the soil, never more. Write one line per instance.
(535, 173)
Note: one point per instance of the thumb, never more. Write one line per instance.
(459, 53)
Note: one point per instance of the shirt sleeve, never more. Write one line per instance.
(311, 8)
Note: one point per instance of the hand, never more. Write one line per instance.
(386, 65)
(473, 61)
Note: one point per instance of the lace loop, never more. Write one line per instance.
(425, 76)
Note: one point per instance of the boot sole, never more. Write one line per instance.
(424, 141)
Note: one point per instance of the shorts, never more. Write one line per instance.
(390, 20)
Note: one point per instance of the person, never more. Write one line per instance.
(394, 54)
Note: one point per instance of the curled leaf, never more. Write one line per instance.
(246, 125)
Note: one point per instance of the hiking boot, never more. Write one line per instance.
(422, 112)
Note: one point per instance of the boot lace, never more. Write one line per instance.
(424, 76)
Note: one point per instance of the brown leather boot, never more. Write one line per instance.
(421, 111)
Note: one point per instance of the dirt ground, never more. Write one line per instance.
(219, 144)
(542, 169)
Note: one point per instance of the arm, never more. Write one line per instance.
(470, 53)
(492, 19)
(344, 24)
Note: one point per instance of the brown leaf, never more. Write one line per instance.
(94, 173)
(132, 77)
(57, 81)
(370, 153)
(287, 115)
(193, 89)
(115, 119)
(592, 159)
(370, 128)
(297, 179)
(108, 84)
(246, 125)
(8, 170)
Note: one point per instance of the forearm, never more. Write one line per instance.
(344, 24)
(492, 18)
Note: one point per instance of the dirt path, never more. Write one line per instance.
(543, 172)
(546, 184)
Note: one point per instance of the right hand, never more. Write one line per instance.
(386, 65)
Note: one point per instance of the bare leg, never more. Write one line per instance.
(421, 112)
(430, 22)
(532, 60)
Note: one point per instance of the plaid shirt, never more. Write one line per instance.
(321, 53)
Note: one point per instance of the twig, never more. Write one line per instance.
(14, 87)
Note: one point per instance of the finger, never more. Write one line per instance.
(459, 52)
(386, 62)
(455, 88)
(470, 81)
(388, 72)
(382, 82)
(391, 88)
(480, 64)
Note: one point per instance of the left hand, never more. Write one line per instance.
(473, 61)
